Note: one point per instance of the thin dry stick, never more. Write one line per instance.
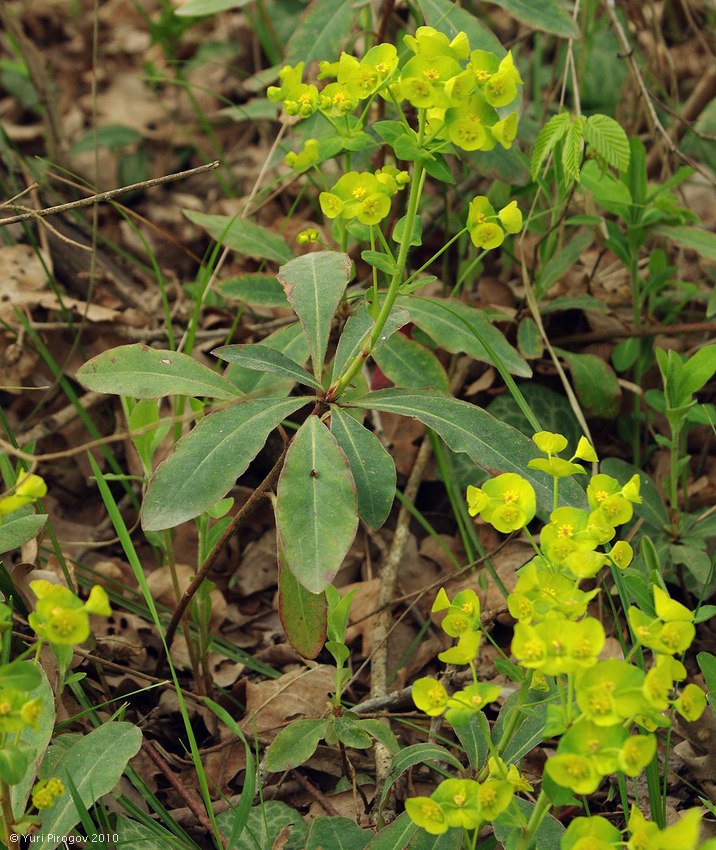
(316, 793)
(628, 54)
(259, 494)
(191, 802)
(109, 195)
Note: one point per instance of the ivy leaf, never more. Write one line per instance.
(608, 139)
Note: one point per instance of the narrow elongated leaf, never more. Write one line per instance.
(95, 764)
(144, 372)
(409, 364)
(197, 8)
(448, 329)
(572, 148)
(546, 15)
(416, 754)
(316, 507)
(15, 531)
(261, 358)
(260, 290)
(491, 444)
(290, 341)
(243, 236)
(314, 284)
(337, 833)
(295, 744)
(395, 836)
(449, 18)
(303, 614)
(322, 31)
(693, 238)
(372, 467)
(206, 463)
(471, 734)
(563, 260)
(355, 332)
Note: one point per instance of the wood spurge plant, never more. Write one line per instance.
(358, 471)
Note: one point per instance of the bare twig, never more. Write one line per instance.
(109, 195)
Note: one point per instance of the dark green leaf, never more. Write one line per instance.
(143, 372)
(323, 30)
(707, 664)
(564, 257)
(371, 465)
(547, 15)
(528, 733)
(206, 463)
(395, 836)
(264, 825)
(595, 384)
(19, 527)
(693, 238)
(336, 833)
(380, 730)
(380, 261)
(290, 341)
(295, 744)
(416, 234)
(314, 284)
(491, 444)
(260, 290)
(416, 754)
(303, 614)
(197, 8)
(471, 735)
(261, 358)
(107, 136)
(606, 190)
(409, 364)
(348, 732)
(529, 339)
(449, 18)
(355, 334)
(243, 236)
(316, 508)
(551, 408)
(95, 764)
(450, 328)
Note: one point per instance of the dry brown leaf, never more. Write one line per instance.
(270, 705)
(257, 569)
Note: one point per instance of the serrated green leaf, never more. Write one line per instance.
(316, 507)
(262, 358)
(572, 149)
(205, 464)
(314, 285)
(303, 614)
(143, 372)
(547, 138)
(243, 236)
(324, 28)
(451, 332)
(491, 444)
(295, 744)
(608, 139)
(19, 527)
(259, 290)
(371, 465)
(95, 764)
(409, 364)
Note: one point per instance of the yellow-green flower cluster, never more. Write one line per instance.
(364, 196)
(45, 792)
(17, 712)
(27, 489)
(460, 89)
(60, 617)
(486, 227)
(463, 803)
